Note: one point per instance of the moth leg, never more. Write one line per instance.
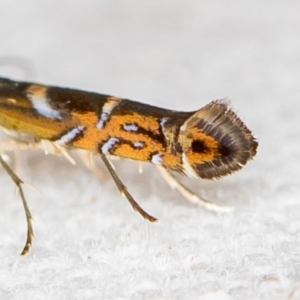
(12, 145)
(140, 167)
(54, 148)
(89, 162)
(188, 194)
(18, 182)
(123, 190)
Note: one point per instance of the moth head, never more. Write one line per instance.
(215, 142)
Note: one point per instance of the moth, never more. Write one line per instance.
(208, 143)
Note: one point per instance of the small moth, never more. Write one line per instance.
(208, 143)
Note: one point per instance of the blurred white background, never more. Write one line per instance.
(178, 55)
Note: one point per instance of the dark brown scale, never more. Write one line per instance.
(236, 142)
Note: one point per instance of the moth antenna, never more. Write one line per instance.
(174, 183)
(18, 182)
(123, 190)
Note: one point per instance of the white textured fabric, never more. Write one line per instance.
(177, 54)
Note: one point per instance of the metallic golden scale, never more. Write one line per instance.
(208, 143)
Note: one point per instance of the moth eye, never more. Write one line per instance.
(199, 146)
